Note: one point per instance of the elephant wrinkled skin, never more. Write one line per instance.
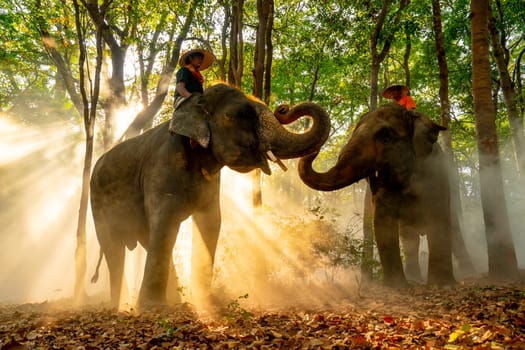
(143, 188)
(396, 151)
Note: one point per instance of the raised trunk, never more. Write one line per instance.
(339, 176)
(286, 144)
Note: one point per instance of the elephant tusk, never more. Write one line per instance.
(272, 156)
(281, 164)
(274, 159)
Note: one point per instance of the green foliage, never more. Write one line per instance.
(169, 328)
(235, 312)
(340, 247)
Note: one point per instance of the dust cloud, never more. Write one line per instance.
(41, 168)
(264, 254)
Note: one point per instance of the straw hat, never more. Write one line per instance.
(206, 61)
(393, 90)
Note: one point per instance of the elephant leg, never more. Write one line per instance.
(115, 257)
(159, 258)
(387, 239)
(206, 227)
(173, 292)
(440, 270)
(368, 237)
(409, 237)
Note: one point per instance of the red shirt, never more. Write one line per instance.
(407, 102)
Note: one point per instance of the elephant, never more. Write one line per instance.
(408, 175)
(144, 187)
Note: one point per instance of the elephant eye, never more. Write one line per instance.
(386, 135)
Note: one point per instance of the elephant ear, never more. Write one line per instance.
(426, 133)
(189, 119)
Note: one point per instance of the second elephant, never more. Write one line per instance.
(396, 151)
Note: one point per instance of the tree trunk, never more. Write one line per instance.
(260, 70)
(406, 58)
(379, 56)
(89, 114)
(509, 94)
(236, 66)
(269, 54)
(146, 64)
(458, 245)
(501, 255)
(116, 95)
(443, 78)
(63, 67)
(147, 114)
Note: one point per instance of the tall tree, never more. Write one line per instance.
(147, 114)
(501, 254)
(262, 72)
(458, 246)
(498, 39)
(378, 54)
(117, 33)
(90, 95)
(58, 53)
(236, 62)
(443, 76)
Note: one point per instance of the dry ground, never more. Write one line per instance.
(473, 315)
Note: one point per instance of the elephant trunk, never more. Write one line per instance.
(345, 172)
(285, 144)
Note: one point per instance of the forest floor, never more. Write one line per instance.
(470, 315)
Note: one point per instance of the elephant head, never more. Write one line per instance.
(243, 133)
(383, 147)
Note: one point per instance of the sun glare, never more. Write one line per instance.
(41, 171)
(124, 117)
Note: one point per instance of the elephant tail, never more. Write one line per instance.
(94, 279)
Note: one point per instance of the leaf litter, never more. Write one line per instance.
(466, 316)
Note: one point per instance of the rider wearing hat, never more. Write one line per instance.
(188, 77)
(400, 94)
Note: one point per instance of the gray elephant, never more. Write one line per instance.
(143, 188)
(396, 151)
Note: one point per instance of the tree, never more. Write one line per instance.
(501, 254)
(90, 96)
(378, 55)
(147, 114)
(236, 62)
(262, 72)
(458, 246)
(498, 39)
(117, 33)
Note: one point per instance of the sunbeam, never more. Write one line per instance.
(40, 169)
(41, 172)
(123, 118)
(258, 256)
